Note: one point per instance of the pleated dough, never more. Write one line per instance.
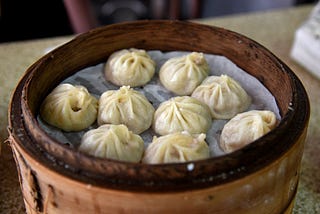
(69, 107)
(246, 127)
(125, 106)
(132, 67)
(182, 75)
(224, 96)
(114, 142)
(182, 113)
(176, 147)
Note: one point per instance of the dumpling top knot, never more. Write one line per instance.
(197, 58)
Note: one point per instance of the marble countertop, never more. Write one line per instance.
(273, 29)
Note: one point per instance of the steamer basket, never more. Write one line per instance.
(260, 178)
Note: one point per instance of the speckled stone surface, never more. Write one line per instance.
(273, 29)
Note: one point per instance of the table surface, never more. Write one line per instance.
(273, 29)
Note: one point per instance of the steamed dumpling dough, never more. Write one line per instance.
(182, 75)
(132, 67)
(114, 142)
(182, 113)
(176, 147)
(245, 128)
(125, 106)
(224, 96)
(69, 107)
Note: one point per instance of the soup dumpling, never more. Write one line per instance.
(224, 96)
(246, 127)
(182, 75)
(69, 107)
(182, 113)
(125, 106)
(114, 142)
(132, 67)
(176, 147)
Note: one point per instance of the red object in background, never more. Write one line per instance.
(81, 15)
(84, 14)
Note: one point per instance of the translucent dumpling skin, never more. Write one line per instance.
(114, 142)
(182, 113)
(70, 108)
(224, 96)
(132, 67)
(176, 147)
(182, 75)
(125, 106)
(246, 127)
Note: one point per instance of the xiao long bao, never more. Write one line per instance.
(126, 115)
(246, 127)
(69, 107)
(132, 67)
(125, 106)
(182, 75)
(182, 113)
(176, 147)
(224, 96)
(114, 142)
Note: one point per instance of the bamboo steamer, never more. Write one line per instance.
(260, 178)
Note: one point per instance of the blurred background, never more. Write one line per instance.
(33, 19)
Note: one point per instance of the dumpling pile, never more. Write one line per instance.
(116, 122)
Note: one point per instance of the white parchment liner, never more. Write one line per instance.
(93, 79)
